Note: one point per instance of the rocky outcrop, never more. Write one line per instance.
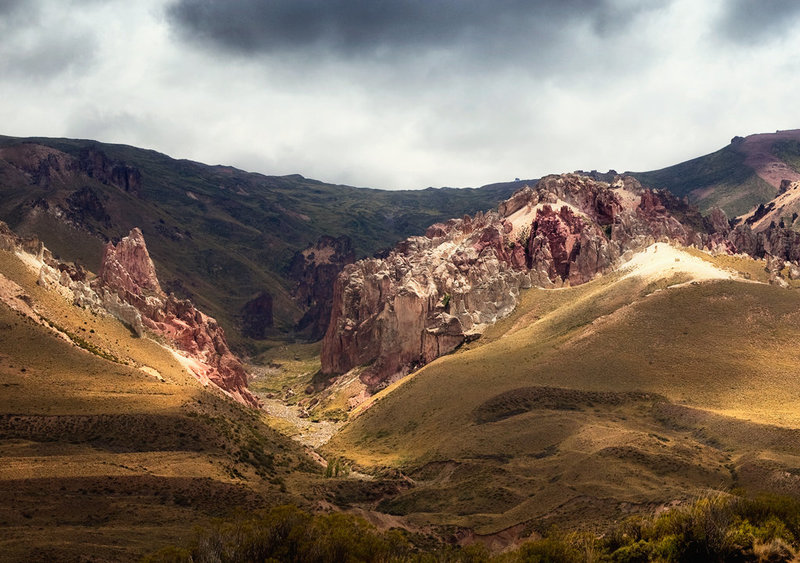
(127, 288)
(96, 164)
(432, 293)
(128, 273)
(127, 268)
(257, 316)
(46, 166)
(776, 241)
(85, 206)
(11, 242)
(315, 270)
(774, 267)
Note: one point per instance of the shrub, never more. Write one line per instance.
(523, 236)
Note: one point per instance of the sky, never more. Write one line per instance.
(403, 94)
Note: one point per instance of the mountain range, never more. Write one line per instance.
(237, 233)
(561, 361)
(241, 235)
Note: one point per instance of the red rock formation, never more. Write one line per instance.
(315, 270)
(432, 293)
(128, 272)
(94, 163)
(561, 232)
(127, 267)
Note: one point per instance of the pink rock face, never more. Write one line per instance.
(128, 267)
(432, 293)
(651, 205)
(561, 232)
(128, 271)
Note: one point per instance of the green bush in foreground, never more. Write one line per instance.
(715, 528)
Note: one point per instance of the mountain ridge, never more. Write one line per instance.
(223, 222)
(655, 363)
(738, 177)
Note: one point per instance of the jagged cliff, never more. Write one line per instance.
(128, 272)
(434, 292)
(127, 288)
(314, 271)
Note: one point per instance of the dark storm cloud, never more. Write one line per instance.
(13, 14)
(8, 6)
(750, 21)
(36, 44)
(367, 28)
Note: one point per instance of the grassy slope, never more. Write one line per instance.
(239, 233)
(718, 179)
(535, 423)
(101, 458)
(789, 152)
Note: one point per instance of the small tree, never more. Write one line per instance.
(523, 236)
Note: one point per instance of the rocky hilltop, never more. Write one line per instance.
(128, 272)
(434, 292)
(128, 289)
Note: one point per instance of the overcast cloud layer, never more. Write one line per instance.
(403, 94)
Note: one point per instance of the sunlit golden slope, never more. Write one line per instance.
(109, 448)
(591, 402)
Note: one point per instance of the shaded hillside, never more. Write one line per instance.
(590, 403)
(719, 179)
(235, 232)
(736, 178)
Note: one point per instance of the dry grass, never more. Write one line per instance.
(285, 370)
(101, 458)
(489, 454)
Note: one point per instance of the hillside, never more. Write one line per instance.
(738, 177)
(236, 233)
(109, 447)
(239, 234)
(587, 351)
(633, 391)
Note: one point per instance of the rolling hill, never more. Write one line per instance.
(109, 446)
(640, 389)
(738, 177)
(647, 375)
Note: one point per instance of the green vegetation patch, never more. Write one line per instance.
(720, 179)
(789, 152)
(713, 528)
